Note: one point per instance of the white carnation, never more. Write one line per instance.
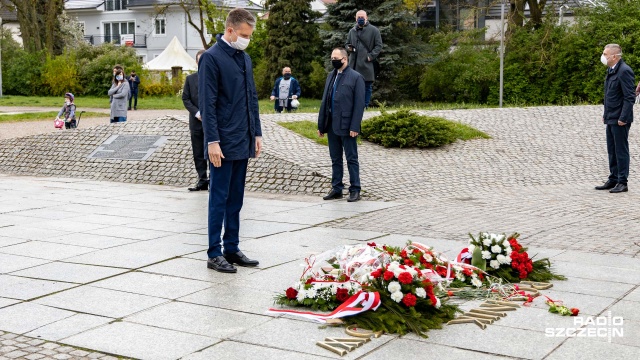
(301, 295)
(428, 257)
(412, 271)
(296, 286)
(460, 276)
(496, 249)
(396, 257)
(397, 296)
(476, 282)
(311, 293)
(494, 264)
(502, 259)
(421, 293)
(486, 242)
(438, 303)
(394, 286)
(486, 254)
(471, 247)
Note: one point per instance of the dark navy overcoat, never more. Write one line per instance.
(228, 101)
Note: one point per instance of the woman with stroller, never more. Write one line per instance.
(119, 95)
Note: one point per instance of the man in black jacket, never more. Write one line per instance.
(190, 101)
(619, 96)
(365, 44)
(134, 82)
(340, 116)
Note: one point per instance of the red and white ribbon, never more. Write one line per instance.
(356, 304)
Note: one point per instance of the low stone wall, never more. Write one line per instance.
(65, 154)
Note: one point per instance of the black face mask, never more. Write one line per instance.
(337, 64)
(287, 76)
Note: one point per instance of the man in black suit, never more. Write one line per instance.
(619, 96)
(190, 101)
(340, 116)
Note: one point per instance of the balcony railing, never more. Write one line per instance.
(139, 40)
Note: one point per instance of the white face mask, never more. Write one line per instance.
(603, 60)
(67, 102)
(240, 43)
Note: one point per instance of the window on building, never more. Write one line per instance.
(115, 5)
(113, 30)
(160, 26)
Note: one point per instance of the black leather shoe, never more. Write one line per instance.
(619, 188)
(354, 196)
(200, 186)
(333, 194)
(240, 259)
(220, 264)
(606, 186)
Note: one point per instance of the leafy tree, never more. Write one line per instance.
(293, 39)
(39, 23)
(516, 13)
(202, 15)
(401, 48)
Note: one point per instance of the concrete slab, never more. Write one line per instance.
(407, 348)
(90, 240)
(634, 295)
(125, 232)
(46, 250)
(161, 286)
(140, 341)
(588, 348)
(69, 326)
(15, 287)
(198, 319)
(7, 241)
(236, 350)
(22, 318)
(68, 272)
(9, 263)
(189, 269)
(328, 232)
(234, 297)
(102, 302)
(593, 287)
(26, 232)
(4, 302)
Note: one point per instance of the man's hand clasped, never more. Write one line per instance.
(215, 154)
(620, 123)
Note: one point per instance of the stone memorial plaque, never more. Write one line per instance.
(128, 147)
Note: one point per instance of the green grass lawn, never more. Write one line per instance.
(47, 115)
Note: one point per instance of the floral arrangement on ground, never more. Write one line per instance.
(407, 289)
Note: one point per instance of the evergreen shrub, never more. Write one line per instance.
(407, 129)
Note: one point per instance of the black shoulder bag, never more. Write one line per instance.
(376, 64)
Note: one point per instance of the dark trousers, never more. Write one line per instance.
(118, 119)
(133, 95)
(368, 89)
(70, 125)
(618, 150)
(336, 146)
(197, 145)
(226, 194)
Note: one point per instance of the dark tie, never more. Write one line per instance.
(333, 92)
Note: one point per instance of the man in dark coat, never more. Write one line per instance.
(340, 117)
(190, 101)
(134, 82)
(287, 88)
(230, 118)
(619, 96)
(365, 43)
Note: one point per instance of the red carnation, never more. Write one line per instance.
(388, 275)
(405, 278)
(575, 311)
(342, 294)
(292, 293)
(376, 274)
(409, 262)
(416, 251)
(467, 272)
(403, 253)
(372, 244)
(310, 280)
(409, 300)
(441, 270)
(433, 299)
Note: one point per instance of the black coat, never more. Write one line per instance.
(228, 100)
(368, 44)
(348, 103)
(619, 94)
(190, 101)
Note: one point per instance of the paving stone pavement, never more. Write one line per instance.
(112, 268)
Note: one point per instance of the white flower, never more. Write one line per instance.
(494, 264)
(460, 276)
(486, 241)
(476, 282)
(486, 254)
(428, 257)
(438, 303)
(496, 249)
(502, 259)
(396, 257)
(421, 293)
(296, 286)
(397, 296)
(411, 271)
(312, 293)
(394, 286)
(301, 295)
(457, 268)
(471, 247)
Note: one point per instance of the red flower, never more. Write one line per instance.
(575, 311)
(433, 299)
(450, 293)
(441, 270)
(292, 293)
(405, 278)
(388, 275)
(372, 244)
(310, 280)
(467, 272)
(342, 294)
(409, 262)
(416, 251)
(409, 300)
(403, 253)
(376, 274)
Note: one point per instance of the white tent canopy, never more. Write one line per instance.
(173, 55)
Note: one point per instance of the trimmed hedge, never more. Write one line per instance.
(407, 129)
